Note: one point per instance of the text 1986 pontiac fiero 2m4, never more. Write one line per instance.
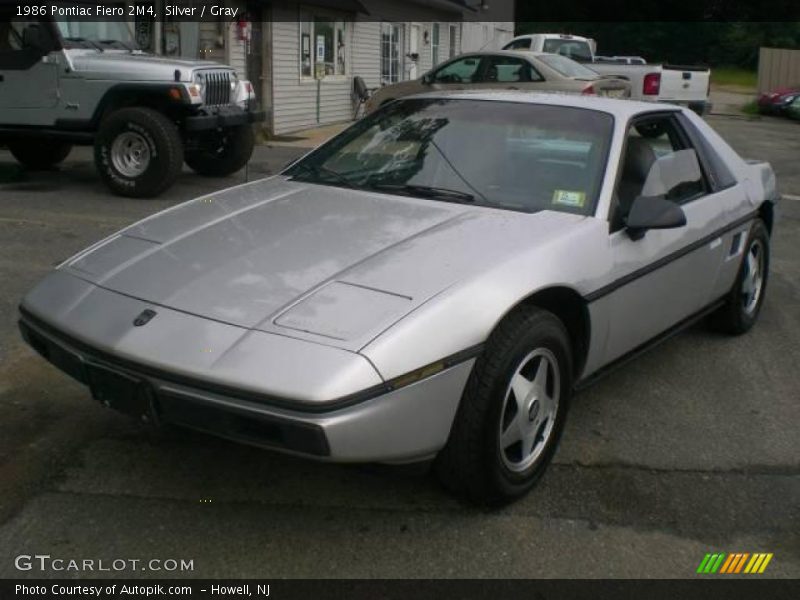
(435, 281)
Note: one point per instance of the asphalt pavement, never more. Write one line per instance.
(692, 448)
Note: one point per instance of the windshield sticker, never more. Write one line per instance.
(569, 198)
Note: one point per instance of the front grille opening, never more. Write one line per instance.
(270, 433)
(216, 87)
(61, 358)
(262, 431)
(36, 342)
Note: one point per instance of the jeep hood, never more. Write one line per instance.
(126, 66)
(329, 264)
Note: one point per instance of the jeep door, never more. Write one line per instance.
(28, 76)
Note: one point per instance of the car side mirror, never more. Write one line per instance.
(427, 79)
(653, 212)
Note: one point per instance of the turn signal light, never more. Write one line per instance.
(415, 376)
(589, 90)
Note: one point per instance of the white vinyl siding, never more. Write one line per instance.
(236, 51)
(365, 58)
(294, 98)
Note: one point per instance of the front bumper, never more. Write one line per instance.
(403, 425)
(226, 116)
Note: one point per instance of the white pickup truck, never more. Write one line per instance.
(688, 86)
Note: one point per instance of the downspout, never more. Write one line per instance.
(157, 27)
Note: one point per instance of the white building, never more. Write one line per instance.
(303, 56)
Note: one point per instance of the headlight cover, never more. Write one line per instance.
(345, 311)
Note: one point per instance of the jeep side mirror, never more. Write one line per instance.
(653, 212)
(35, 38)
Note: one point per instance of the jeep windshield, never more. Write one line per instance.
(512, 155)
(99, 35)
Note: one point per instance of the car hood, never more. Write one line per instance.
(136, 66)
(311, 261)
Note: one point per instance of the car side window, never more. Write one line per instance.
(508, 69)
(463, 70)
(523, 44)
(720, 176)
(658, 160)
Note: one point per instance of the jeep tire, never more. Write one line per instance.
(138, 152)
(39, 154)
(222, 153)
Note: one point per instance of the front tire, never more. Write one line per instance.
(512, 412)
(138, 152)
(40, 154)
(222, 153)
(743, 303)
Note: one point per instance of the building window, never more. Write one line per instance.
(323, 46)
(452, 41)
(435, 45)
(390, 53)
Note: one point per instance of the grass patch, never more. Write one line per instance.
(735, 77)
(751, 108)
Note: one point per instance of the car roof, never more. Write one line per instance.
(622, 108)
(565, 36)
(506, 53)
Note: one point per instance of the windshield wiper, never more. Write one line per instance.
(319, 170)
(82, 40)
(425, 191)
(125, 45)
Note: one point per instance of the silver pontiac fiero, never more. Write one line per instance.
(435, 281)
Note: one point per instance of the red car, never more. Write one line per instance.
(776, 101)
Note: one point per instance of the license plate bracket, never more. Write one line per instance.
(122, 392)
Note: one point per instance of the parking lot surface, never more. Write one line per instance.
(692, 448)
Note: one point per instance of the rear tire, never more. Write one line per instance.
(222, 153)
(41, 154)
(138, 152)
(504, 435)
(743, 303)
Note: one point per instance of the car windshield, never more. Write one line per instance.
(96, 34)
(512, 155)
(574, 49)
(568, 67)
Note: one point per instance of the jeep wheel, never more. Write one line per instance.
(39, 154)
(138, 152)
(222, 153)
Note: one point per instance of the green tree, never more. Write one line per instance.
(691, 42)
